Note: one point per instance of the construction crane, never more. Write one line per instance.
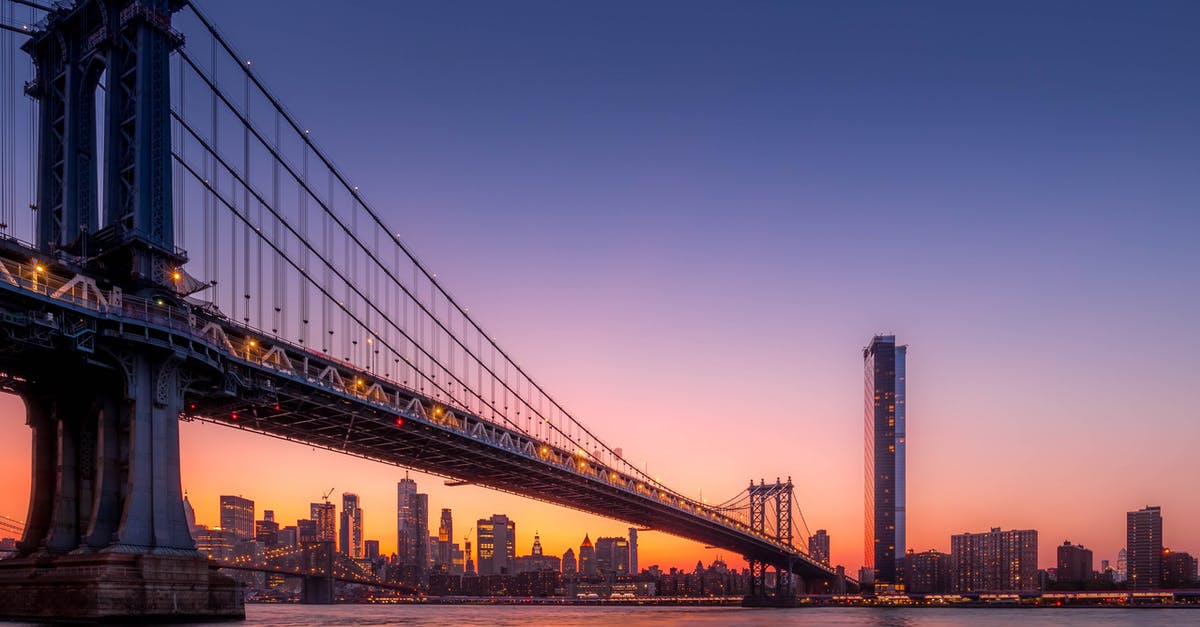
(326, 496)
(467, 550)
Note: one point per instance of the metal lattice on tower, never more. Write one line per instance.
(771, 516)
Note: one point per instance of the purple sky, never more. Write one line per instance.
(687, 218)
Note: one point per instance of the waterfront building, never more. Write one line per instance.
(496, 544)
(237, 517)
(884, 453)
(995, 561)
(1178, 568)
(568, 562)
(1074, 564)
(1144, 546)
(930, 572)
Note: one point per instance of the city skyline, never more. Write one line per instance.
(1071, 268)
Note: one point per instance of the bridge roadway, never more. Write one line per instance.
(254, 381)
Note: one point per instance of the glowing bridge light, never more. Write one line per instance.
(399, 421)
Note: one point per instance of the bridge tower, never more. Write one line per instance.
(317, 586)
(106, 536)
(771, 515)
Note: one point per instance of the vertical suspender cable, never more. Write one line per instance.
(280, 282)
(303, 198)
(246, 260)
(5, 128)
(214, 251)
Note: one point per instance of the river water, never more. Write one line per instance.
(260, 615)
(520, 616)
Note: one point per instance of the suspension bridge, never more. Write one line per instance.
(174, 245)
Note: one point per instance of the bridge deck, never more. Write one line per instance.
(260, 383)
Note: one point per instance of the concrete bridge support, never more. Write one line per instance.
(106, 536)
(317, 589)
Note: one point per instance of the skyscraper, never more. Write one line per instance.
(633, 557)
(1144, 544)
(612, 556)
(325, 515)
(445, 541)
(412, 531)
(496, 542)
(237, 517)
(884, 366)
(818, 546)
(350, 535)
(568, 562)
(587, 557)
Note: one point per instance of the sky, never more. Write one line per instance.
(686, 219)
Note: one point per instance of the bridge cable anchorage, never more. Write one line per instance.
(430, 277)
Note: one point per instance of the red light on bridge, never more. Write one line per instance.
(399, 421)
(234, 415)
(276, 406)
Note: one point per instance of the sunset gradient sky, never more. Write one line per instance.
(685, 219)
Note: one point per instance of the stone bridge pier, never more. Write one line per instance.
(106, 536)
